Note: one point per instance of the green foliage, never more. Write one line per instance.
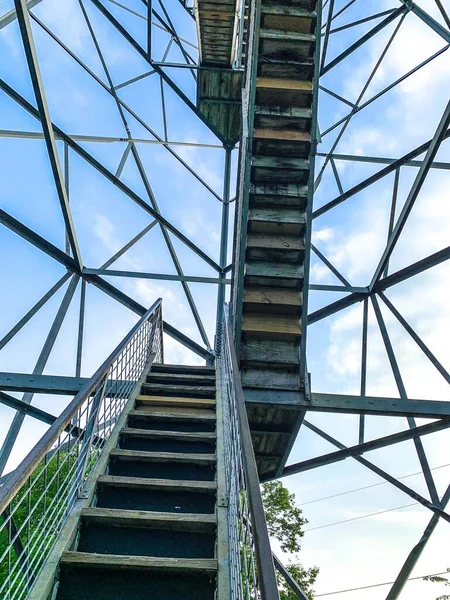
(284, 519)
(285, 523)
(438, 579)
(37, 509)
(306, 578)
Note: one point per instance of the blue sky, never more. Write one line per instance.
(351, 236)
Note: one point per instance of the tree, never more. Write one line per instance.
(285, 522)
(438, 579)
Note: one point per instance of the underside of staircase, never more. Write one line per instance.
(151, 529)
(272, 324)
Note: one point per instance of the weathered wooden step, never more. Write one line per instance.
(149, 519)
(284, 221)
(147, 401)
(135, 455)
(269, 300)
(272, 248)
(175, 390)
(302, 69)
(270, 353)
(271, 169)
(173, 435)
(283, 92)
(181, 379)
(281, 142)
(163, 492)
(276, 327)
(289, 45)
(264, 377)
(173, 416)
(278, 194)
(148, 563)
(279, 117)
(146, 483)
(289, 19)
(182, 369)
(273, 274)
(289, 10)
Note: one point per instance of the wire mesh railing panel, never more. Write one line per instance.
(252, 574)
(37, 498)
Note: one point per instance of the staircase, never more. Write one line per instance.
(273, 277)
(151, 530)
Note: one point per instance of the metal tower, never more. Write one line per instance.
(137, 164)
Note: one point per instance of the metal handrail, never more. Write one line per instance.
(241, 457)
(26, 468)
(37, 498)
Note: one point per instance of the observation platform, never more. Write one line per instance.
(219, 86)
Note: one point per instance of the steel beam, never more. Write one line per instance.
(376, 177)
(382, 285)
(39, 304)
(46, 384)
(11, 16)
(44, 355)
(294, 586)
(363, 39)
(44, 245)
(427, 19)
(433, 148)
(41, 101)
(402, 391)
(371, 405)
(416, 552)
(376, 444)
(157, 276)
(143, 53)
(111, 177)
(380, 472)
(26, 409)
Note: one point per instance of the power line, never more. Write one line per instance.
(367, 587)
(381, 512)
(368, 486)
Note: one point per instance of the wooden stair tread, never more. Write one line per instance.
(142, 455)
(175, 400)
(274, 8)
(293, 112)
(287, 36)
(284, 84)
(189, 390)
(119, 561)
(272, 295)
(175, 435)
(284, 215)
(274, 242)
(293, 190)
(282, 135)
(185, 377)
(281, 162)
(176, 416)
(271, 324)
(153, 483)
(166, 368)
(143, 518)
(180, 409)
(274, 270)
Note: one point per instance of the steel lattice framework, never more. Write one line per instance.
(150, 92)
